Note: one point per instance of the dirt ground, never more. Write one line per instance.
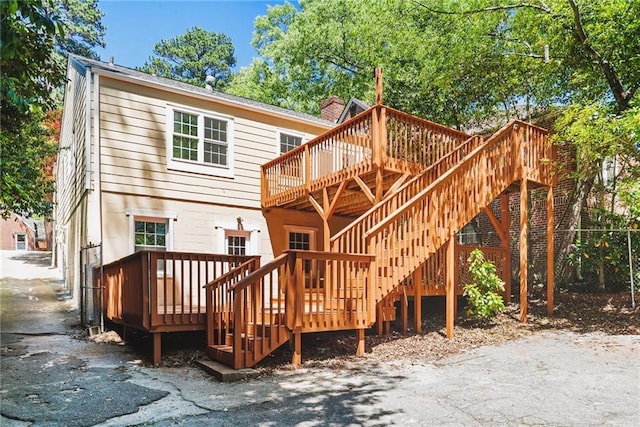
(577, 312)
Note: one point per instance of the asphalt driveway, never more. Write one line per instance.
(51, 378)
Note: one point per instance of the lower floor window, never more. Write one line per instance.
(302, 240)
(150, 235)
(236, 245)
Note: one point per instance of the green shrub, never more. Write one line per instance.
(483, 301)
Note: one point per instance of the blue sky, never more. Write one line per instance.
(134, 27)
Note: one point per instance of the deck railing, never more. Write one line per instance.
(432, 273)
(339, 154)
(410, 234)
(415, 142)
(162, 291)
(378, 137)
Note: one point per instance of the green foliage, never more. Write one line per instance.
(193, 56)
(24, 187)
(598, 132)
(453, 62)
(483, 301)
(29, 70)
(601, 257)
(35, 35)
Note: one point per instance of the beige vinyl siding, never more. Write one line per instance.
(194, 229)
(133, 147)
(71, 162)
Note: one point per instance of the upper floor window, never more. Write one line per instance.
(199, 142)
(288, 142)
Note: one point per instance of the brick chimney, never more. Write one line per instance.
(331, 108)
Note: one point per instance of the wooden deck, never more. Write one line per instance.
(158, 292)
(372, 152)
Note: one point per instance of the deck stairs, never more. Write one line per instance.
(255, 309)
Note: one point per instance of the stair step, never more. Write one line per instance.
(221, 353)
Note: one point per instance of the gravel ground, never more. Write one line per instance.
(577, 312)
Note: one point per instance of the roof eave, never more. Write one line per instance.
(208, 97)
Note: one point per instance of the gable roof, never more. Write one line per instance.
(353, 108)
(139, 77)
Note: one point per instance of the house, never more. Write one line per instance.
(151, 163)
(24, 234)
(204, 211)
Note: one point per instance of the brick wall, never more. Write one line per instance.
(331, 108)
(537, 242)
(9, 228)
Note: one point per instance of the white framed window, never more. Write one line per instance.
(288, 141)
(150, 230)
(238, 242)
(150, 234)
(21, 241)
(199, 141)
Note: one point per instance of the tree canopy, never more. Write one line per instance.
(460, 63)
(447, 60)
(193, 56)
(83, 28)
(36, 35)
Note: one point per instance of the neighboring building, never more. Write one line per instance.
(334, 110)
(151, 163)
(24, 234)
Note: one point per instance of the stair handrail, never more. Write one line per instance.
(260, 272)
(219, 309)
(428, 175)
(220, 280)
(428, 238)
(442, 178)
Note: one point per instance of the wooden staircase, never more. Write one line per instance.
(253, 310)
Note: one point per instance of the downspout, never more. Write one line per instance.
(98, 187)
(97, 152)
(87, 130)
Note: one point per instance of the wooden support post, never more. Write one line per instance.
(450, 287)
(524, 235)
(550, 254)
(326, 231)
(404, 311)
(379, 320)
(417, 299)
(360, 342)
(455, 276)
(157, 348)
(505, 219)
(296, 357)
(379, 185)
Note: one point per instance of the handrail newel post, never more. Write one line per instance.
(238, 296)
(151, 291)
(307, 168)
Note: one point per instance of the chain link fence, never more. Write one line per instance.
(600, 260)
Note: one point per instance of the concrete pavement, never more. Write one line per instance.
(550, 379)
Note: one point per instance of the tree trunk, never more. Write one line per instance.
(583, 188)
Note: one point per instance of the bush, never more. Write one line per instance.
(483, 301)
